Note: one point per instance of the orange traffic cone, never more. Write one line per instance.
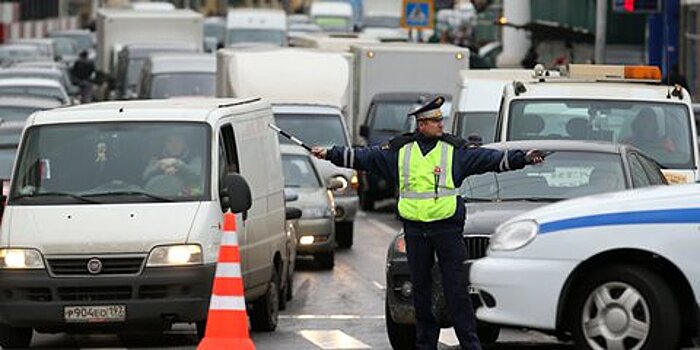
(227, 323)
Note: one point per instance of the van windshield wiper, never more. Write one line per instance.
(57, 194)
(130, 193)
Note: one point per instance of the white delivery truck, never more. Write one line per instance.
(117, 28)
(114, 216)
(310, 92)
(246, 26)
(479, 98)
(627, 104)
(390, 80)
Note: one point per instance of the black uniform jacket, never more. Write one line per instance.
(383, 161)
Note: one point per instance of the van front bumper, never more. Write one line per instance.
(156, 297)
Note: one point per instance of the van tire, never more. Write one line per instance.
(15, 337)
(654, 305)
(344, 234)
(401, 336)
(325, 260)
(265, 313)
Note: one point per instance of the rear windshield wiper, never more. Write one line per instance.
(130, 193)
(57, 194)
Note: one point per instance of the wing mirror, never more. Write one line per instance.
(235, 194)
(292, 213)
(334, 184)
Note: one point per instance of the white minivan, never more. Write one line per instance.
(114, 216)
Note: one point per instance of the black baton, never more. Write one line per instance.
(289, 136)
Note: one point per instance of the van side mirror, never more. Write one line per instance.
(236, 194)
(334, 184)
(290, 195)
(364, 131)
(3, 198)
(292, 213)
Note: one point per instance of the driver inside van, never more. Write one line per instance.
(174, 171)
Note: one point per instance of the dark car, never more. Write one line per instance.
(573, 169)
(387, 118)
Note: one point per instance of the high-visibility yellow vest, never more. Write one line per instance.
(421, 197)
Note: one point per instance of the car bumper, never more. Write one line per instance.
(346, 208)
(523, 292)
(323, 231)
(156, 297)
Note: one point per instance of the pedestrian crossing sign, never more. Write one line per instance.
(418, 14)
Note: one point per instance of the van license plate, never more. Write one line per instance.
(102, 313)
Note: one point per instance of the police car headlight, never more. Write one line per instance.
(514, 235)
(20, 259)
(175, 255)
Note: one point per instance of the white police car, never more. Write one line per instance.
(614, 271)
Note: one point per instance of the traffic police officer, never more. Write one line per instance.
(429, 167)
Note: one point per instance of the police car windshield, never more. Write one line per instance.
(480, 123)
(113, 163)
(298, 172)
(661, 130)
(564, 175)
(183, 84)
(324, 130)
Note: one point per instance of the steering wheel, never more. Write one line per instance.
(165, 185)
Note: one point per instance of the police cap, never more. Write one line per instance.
(430, 110)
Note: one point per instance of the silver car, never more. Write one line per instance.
(316, 227)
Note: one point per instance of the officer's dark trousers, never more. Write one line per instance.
(451, 253)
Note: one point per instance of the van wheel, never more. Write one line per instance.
(624, 307)
(488, 333)
(326, 260)
(265, 312)
(401, 336)
(344, 234)
(15, 337)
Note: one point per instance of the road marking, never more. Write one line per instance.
(333, 339)
(448, 337)
(383, 227)
(331, 317)
(378, 285)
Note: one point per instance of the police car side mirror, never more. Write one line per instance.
(236, 194)
(364, 131)
(292, 213)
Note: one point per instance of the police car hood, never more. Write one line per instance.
(484, 217)
(107, 228)
(603, 209)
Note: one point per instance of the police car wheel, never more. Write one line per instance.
(265, 313)
(15, 337)
(401, 336)
(624, 307)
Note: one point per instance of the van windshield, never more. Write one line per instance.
(661, 130)
(477, 123)
(183, 84)
(392, 116)
(247, 36)
(325, 130)
(122, 162)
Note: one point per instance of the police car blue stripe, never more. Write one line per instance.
(665, 216)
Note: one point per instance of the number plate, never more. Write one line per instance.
(102, 313)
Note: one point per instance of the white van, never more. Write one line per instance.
(245, 26)
(114, 216)
(476, 108)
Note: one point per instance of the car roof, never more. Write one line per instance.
(30, 82)
(30, 69)
(29, 101)
(562, 145)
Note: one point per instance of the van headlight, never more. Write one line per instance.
(21, 259)
(514, 235)
(175, 255)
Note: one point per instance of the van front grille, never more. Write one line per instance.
(94, 293)
(78, 266)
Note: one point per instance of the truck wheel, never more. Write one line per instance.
(15, 337)
(265, 312)
(624, 307)
(344, 234)
(401, 336)
(325, 260)
(488, 333)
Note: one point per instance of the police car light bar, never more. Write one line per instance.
(614, 73)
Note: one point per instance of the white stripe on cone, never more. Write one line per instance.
(219, 302)
(229, 238)
(228, 270)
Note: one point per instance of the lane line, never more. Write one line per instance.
(332, 339)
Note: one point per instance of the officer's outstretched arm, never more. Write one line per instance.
(482, 160)
(373, 159)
